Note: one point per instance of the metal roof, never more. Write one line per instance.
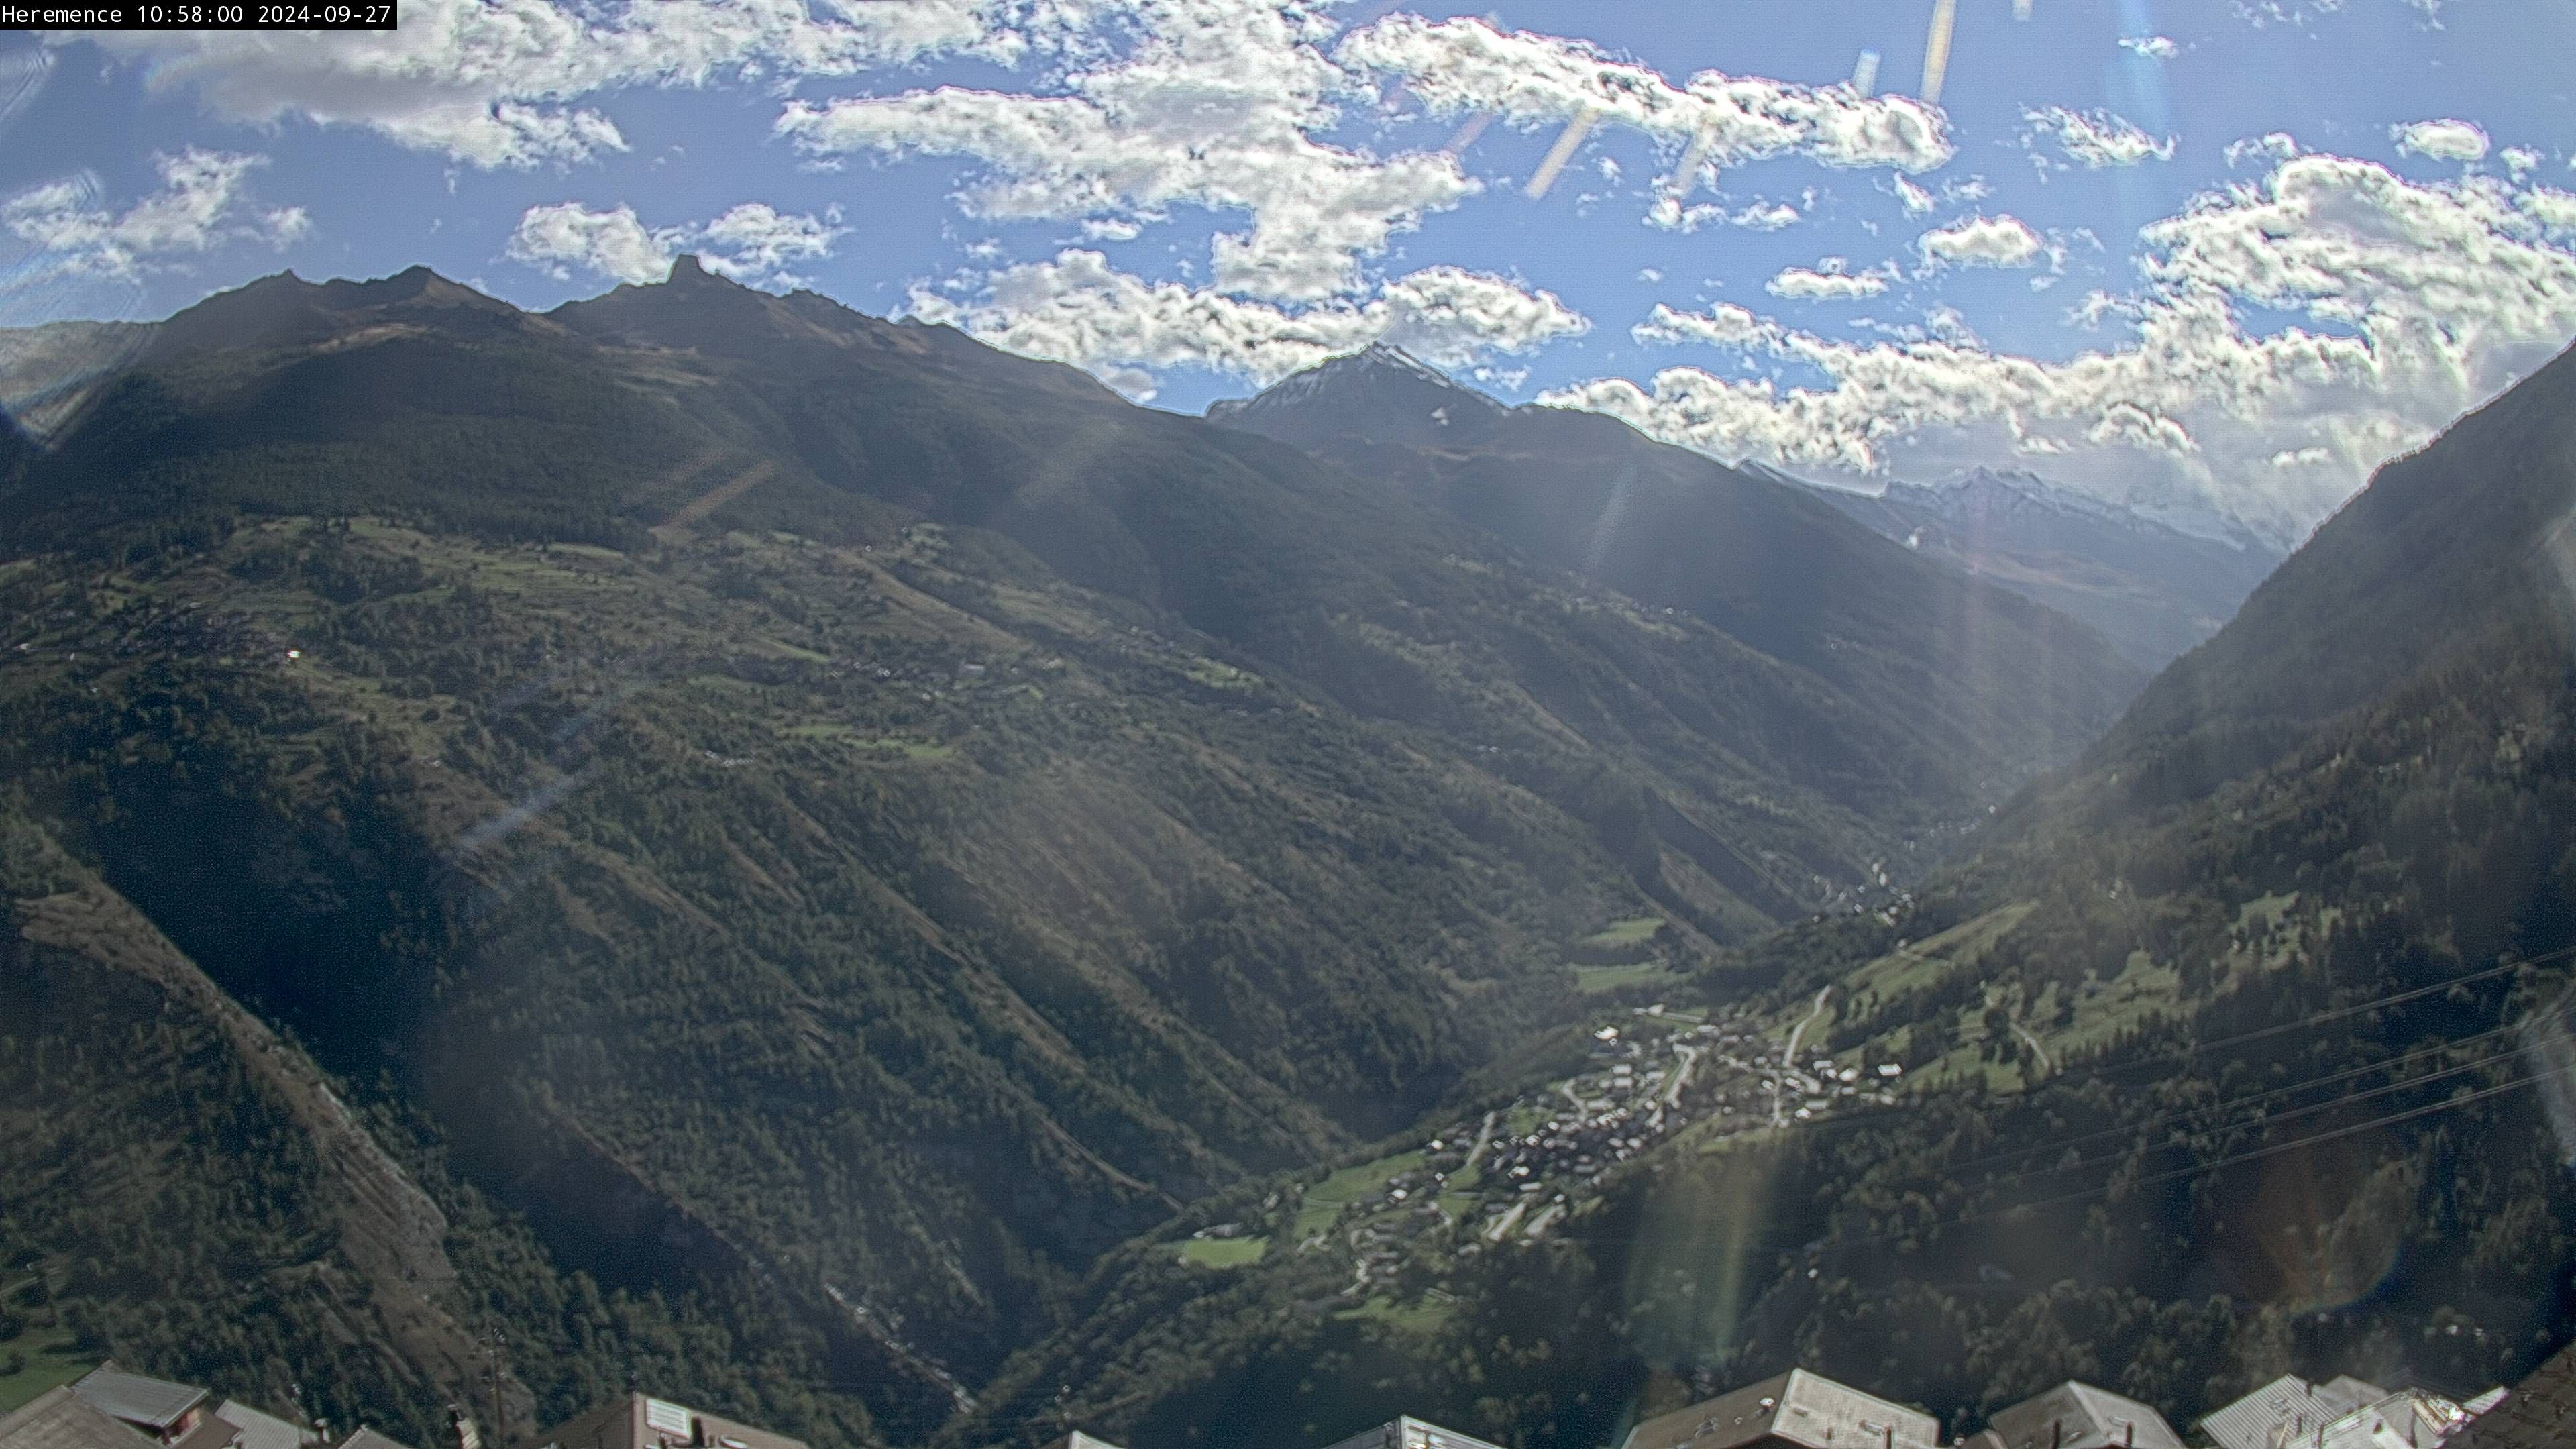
(1796, 1407)
(2079, 1416)
(158, 1403)
(61, 1419)
(2406, 1419)
(1411, 1433)
(637, 1422)
(369, 1439)
(2288, 1401)
(258, 1430)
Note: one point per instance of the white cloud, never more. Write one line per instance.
(2308, 457)
(1077, 308)
(1215, 107)
(486, 81)
(1467, 65)
(2521, 160)
(1224, 106)
(1982, 241)
(1766, 216)
(2153, 47)
(2271, 146)
(1829, 283)
(752, 243)
(2554, 210)
(2420, 299)
(1916, 200)
(567, 236)
(2096, 138)
(199, 207)
(2442, 140)
(1724, 325)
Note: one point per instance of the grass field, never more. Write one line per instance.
(49, 1362)
(1590, 979)
(1636, 930)
(1326, 1199)
(1423, 1317)
(1224, 1252)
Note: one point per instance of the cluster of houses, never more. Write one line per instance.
(1802, 1410)
(113, 1409)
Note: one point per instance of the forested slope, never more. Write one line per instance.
(2242, 1048)
(824, 829)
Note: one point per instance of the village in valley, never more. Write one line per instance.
(1514, 1173)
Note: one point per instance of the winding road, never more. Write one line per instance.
(1789, 1056)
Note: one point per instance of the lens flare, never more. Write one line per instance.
(1936, 49)
(1559, 154)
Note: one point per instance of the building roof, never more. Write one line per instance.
(258, 1430)
(635, 1421)
(2288, 1403)
(2407, 1419)
(1411, 1433)
(1079, 1440)
(2079, 1416)
(209, 1433)
(367, 1438)
(2540, 1410)
(1796, 1408)
(61, 1419)
(156, 1404)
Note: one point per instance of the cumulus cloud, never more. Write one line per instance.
(1077, 308)
(2153, 47)
(2419, 300)
(1829, 283)
(564, 237)
(2271, 146)
(1466, 65)
(487, 82)
(1215, 107)
(1230, 108)
(2095, 138)
(1982, 241)
(2442, 140)
(201, 205)
(752, 243)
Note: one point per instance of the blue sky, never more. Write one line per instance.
(2085, 259)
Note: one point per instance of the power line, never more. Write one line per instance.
(2287, 1089)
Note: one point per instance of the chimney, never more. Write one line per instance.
(2057, 1434)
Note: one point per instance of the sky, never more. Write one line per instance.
(2218, 260)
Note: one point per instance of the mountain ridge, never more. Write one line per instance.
(2158, 590)
(824, 829)
(1771, 564)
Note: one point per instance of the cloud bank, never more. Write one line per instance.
(201, 205)
(752, 243)
(2419, 301)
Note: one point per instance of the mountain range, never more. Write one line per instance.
(797, 834)
(802, 858)
(2155, 589)
(2237, 1048)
